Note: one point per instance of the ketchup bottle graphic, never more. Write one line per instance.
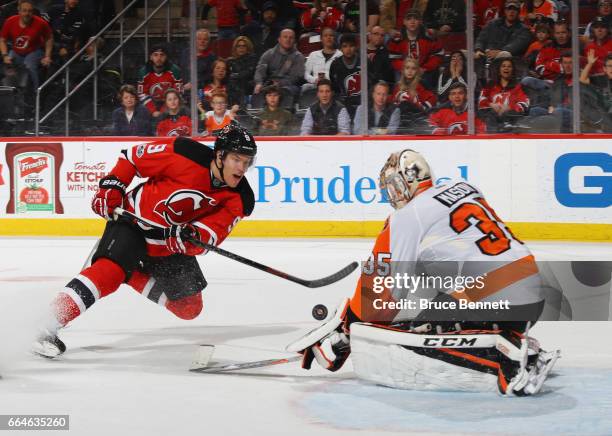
(34, 173)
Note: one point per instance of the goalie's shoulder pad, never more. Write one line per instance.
(321, 331)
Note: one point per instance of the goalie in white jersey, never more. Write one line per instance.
(469, 336)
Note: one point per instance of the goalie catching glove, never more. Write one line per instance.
(180, 239)
(110, 195)
(328, 343)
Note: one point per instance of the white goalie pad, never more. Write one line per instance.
(378, 356)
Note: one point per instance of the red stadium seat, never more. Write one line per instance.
(308, 43)
(223, 48)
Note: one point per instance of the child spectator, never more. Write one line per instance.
(218, 83)
(28, 34)
(155, 78)
(414, 100)
(325, 13)
(174, 121)
(131, 119)
(601, 45)
(503, 100)
(383, 117)
(273, 120)
(542, 33)
(228, 16)
(327, 116)
(219, 117)
(414, 44)
(319, 62)
(452, 73)
(453, 118)
(241, 69)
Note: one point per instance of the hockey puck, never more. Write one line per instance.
(319, 312)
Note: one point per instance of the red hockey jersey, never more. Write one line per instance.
(548, 61)
(152, 85)
(180, 189)
(334, 18)
(424, 99)
(427, 51)
(601, 52)
(514, 98)
(486, 11)
(174, 125)
(448, 122)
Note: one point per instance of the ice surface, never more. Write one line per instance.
(125, 371)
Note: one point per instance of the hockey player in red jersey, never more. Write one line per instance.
(440, 346)
(192, 192)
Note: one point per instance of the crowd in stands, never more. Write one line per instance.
(294, 67)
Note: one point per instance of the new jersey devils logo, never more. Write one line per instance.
(179, 131)
(158, 89)
(183, 206)
(458, 128)
(352, 83)
(22, 42)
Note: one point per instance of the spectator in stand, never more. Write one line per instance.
(131, 119)
(383, 117)
(548, 60)
(273, 120)
(452, 119)
(228, 17)
(264, 33)
(155, 78)
(533, 10)
(351, 15)
(327, 116)
(379, 67)
(502, 102)
(285, 10)
(205, 59)
(604, 11)
(404, 6)
(603, 84)
(453, 72)
(486, 11)
(413, 43)
(70, 28)
(219, 117)
(28, 34)
(505, 34)
(319, 61)
(174, 121)
(345, 74)
(218, 83)
(542, 33)
(325, 13)
(445, 16)
(414, 100)
(241, 67)
(282, 65)
(601, 45)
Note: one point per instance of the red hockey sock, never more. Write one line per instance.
(186, 308)
(97, 281)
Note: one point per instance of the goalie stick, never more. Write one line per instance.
(317, 283)
(204, 354)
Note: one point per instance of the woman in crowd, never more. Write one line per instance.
(217, 84)
(241, 70)
(131, 119)
(414, 100)
(453, 72)
(174, 121)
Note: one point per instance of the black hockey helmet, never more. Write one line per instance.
(234, 138)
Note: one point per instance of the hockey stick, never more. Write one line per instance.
(333, 278)
(205, 352)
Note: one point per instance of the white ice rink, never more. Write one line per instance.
(125, 371)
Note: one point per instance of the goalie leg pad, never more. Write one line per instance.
(122, 243)
(399, 366)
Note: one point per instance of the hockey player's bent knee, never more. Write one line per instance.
(186, 308)
(123, 244)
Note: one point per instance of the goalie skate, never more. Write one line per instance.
(49, 345)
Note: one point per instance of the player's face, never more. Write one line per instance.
(412, 24)
(457, 97)
(561, 34)
(324, 93)
(234, 167)
(380, 95)
(272, 99)
(327, 38)
(172, 101)
(128, 101)
(158, 58)
(348, 50)
(26, 10)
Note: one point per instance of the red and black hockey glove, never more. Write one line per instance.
(109, 196)
(178, 239)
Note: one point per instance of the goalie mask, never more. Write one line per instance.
(404, 173)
